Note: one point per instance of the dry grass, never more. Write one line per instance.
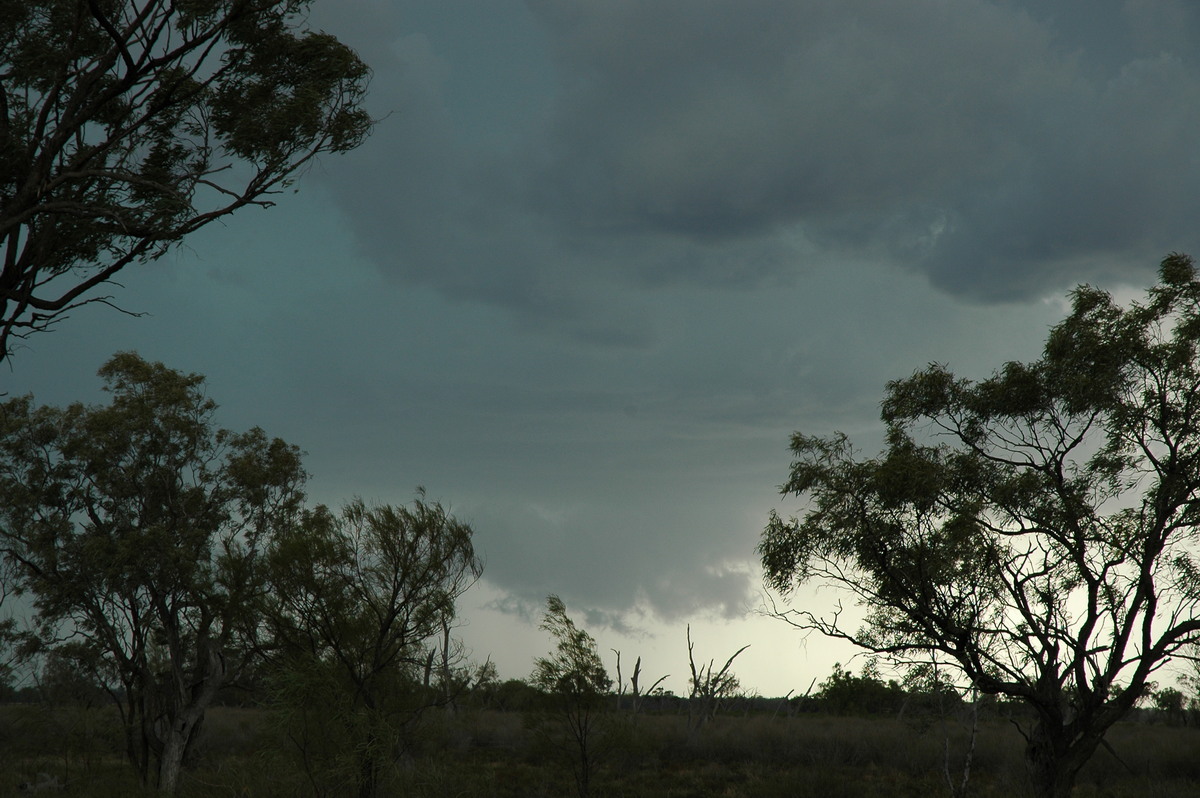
(497, 755)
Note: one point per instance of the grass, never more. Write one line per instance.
(500, 755)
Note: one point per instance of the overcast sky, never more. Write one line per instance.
(601, 257)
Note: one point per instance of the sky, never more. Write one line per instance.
(600, 258)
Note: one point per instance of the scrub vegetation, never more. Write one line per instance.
(853, 735)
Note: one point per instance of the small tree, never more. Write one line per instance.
(126, 125)
(73, 718)
(136, 527)
(1038, 529)
(577, 683)
(930, 696)
(360, 603)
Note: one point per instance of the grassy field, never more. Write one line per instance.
(504, 755)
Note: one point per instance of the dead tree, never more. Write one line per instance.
(709, 687)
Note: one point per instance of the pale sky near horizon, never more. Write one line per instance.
(601, 257)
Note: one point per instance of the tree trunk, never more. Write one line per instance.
(176, 740)
(371, 756)
(176, 734)
(1055, 760)
(171, 763)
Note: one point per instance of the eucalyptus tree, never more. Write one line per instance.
(1037, 529)
(136, 528)
(126, 125)
(361, 602)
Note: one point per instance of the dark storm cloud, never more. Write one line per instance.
(725, 201)
(600, 258)
(722, 118)
(1003, 149)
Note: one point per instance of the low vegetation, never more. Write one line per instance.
(758, 747)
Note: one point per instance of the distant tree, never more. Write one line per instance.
(843, 693)
(136, 528)
(359, 605)
(485, 685)
(929, 693)
(930, 697)
(578, 685)
(9, 634)
(63, 682)
(1172, 704)
(8, 690)
(1038, 528)
(515, 695)
(126, 125)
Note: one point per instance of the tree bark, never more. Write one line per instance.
(1054, 760)
(178, 733)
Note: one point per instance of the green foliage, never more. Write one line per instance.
(136, 528)
(327, 732)
(1172, 703)
(359, 604)
(577, 683)
(1038, 528)
(515, 695)
(843, 693)
(125, 125)
(166, 559)
(574, 672)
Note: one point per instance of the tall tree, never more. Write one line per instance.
(136, 528)
(358, 602)
(1038, 528)
(125, 125)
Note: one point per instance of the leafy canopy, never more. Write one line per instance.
(1038, 528)
(135, 527)
(369, 588)
(360, 604)
(575, 670)
(125, 125)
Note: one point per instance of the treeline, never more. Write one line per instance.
(841, 694)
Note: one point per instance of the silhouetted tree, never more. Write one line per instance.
(709, 686)
(360, 602)
(126, 125)
(1037, 529)
(136, 527)
(577, 683)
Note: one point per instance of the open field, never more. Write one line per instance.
(494, 754)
